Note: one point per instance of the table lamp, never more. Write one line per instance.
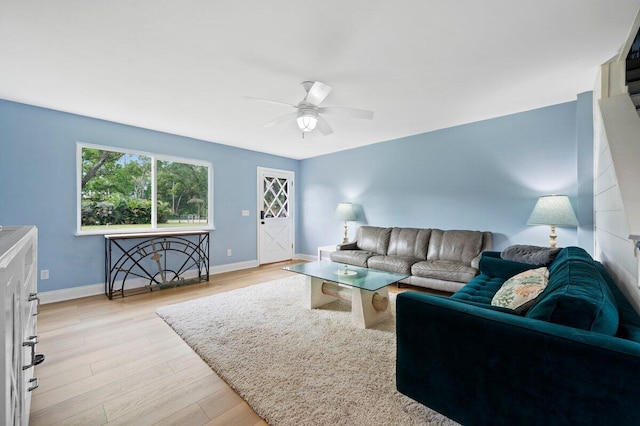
(345, 212)
(553, 210)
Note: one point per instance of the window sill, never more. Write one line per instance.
(142, 231)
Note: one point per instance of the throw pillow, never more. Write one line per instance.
(533, 255)
(519, 291)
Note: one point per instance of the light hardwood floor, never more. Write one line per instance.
(116, 362)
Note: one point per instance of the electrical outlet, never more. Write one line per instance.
(44, 274)
(245, 212)
(228, 252)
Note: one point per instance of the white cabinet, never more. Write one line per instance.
(18, 282)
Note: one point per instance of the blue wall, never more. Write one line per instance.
(482, 176)
(584, 206)
(38, 187)
(485, 176)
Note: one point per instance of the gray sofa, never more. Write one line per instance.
(442, 260)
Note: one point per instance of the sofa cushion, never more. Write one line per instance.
(373, 239)
(443, 270)
(519, 291)
(454, 246)
(534, 255)
(569, 254)
(481, 289)
(351, 257)
(409, 242)
(577, 295)
(397, 264)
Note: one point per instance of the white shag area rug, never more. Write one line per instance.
(296, 366)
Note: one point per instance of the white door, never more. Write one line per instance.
(275, 215)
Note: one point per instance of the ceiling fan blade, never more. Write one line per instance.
(252, 98)
(318, 92)
(323, 127)
(281, 119)
(347, 112)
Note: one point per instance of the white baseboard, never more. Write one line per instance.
(98, 289)
(309, 257)
(70, 293)
(230, 267)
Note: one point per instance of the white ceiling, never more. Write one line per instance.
(183, 66)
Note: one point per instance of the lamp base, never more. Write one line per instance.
(345, 240)
(552, 237)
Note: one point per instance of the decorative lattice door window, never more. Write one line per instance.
(276, 197)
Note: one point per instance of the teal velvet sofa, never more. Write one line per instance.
(572, 359)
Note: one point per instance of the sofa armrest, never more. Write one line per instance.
(481, 366)
(487, 244)
(493, 265)
(348, 246)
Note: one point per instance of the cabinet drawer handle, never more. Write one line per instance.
(31, 388)
(39, 359)
(33, 297)
(32, 343)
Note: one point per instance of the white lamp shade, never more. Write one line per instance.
(345, 212)
(553, 210)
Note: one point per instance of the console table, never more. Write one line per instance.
(145, 261)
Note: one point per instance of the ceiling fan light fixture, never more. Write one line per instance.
(307, 120)
(309, 113)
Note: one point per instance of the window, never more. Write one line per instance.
(276, 197)
(126, 191)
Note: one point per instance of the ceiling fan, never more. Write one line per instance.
(308, 111)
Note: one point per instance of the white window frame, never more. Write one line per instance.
(154, 158)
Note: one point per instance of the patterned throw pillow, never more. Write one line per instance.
(519, 291)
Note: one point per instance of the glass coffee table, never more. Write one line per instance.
(366, 289)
